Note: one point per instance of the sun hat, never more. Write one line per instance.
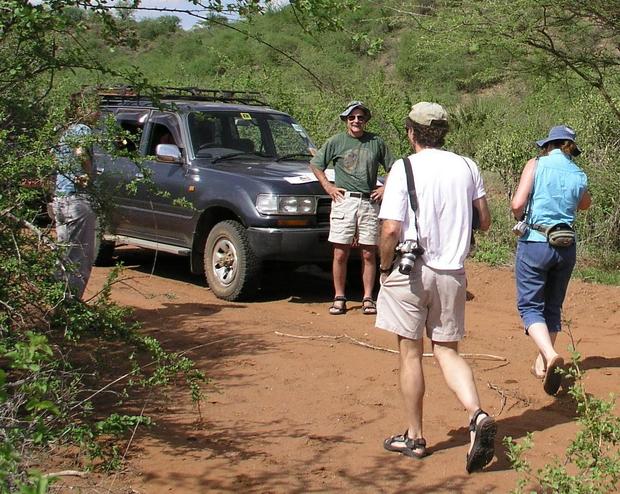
(560, 133)
(425, 113)
(352, 106)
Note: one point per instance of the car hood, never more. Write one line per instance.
(261, 168)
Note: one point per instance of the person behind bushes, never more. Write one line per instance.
(73, 213)
(551, 190)
(356, 156)
(426, 294)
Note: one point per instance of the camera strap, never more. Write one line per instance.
(413, 199)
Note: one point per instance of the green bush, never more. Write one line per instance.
(591, 464)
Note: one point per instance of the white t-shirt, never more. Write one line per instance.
(445, 188)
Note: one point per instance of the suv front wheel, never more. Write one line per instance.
(231, 268)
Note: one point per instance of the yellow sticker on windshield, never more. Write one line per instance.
(246, 116)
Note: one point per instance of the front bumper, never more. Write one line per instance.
(301, 245)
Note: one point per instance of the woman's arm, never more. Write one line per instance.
(585, 201)
(522, 194)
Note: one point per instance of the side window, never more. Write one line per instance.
(131, 125)
(163, 129)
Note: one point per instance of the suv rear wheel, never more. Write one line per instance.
(231, 268)
(104, 255)
(104, 251)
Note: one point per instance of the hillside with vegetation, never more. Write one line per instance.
(506, 71)
(504, 90)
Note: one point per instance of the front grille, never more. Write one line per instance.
(323, 209)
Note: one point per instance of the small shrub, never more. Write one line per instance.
(592, 460)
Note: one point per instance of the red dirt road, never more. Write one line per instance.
(296, 415)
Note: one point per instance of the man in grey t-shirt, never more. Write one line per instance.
(355, 156)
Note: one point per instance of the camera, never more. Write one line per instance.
(409, 251)
(520, 228)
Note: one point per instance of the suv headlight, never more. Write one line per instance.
(274, 204)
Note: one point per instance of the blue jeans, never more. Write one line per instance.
(542, 273)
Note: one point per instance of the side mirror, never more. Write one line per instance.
(168, 153)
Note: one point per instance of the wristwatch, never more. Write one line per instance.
(385, 270)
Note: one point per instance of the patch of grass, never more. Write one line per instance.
(598, 275)
(490, 252)
(598, 266)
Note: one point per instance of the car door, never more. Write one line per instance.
(165, 214)
(118, 172)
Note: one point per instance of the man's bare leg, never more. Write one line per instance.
(412, 383)
(369, 268)
(459, 377)
(339, 268)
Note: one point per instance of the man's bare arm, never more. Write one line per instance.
(484, 214)
(390, 236)
(337, 194)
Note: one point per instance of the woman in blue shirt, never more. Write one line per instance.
(551, 190)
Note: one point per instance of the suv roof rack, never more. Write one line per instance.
(129, 96)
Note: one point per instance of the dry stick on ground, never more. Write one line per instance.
(478, 356)
(65, 473)
(133, 433)
(505, 394)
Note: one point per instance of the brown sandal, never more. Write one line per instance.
(368, 306)
(553, 379)
(483, 449)
(414, 448)
(339, 306)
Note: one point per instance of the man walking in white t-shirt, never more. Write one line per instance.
(430, 298)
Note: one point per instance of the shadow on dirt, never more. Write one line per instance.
(599, 362)
(561, 411)
(308, 283)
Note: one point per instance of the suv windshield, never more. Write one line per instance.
(218, 134)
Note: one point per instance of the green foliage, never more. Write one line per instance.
(505, 71)
(44, 380)
(437, 54)
(592, 460)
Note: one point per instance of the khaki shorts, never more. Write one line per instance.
(427, 299)
(354, 217)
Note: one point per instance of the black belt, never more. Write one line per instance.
(363, 195)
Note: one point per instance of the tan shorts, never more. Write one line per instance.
(427, 299)
(354, 217)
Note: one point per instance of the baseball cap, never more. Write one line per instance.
(352, 106)
(425, 113)
(560, 133)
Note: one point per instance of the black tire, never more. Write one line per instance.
(231, 268)
(104, 253)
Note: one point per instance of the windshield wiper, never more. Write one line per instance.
(229, 155)
(293, 155)
(239, 153)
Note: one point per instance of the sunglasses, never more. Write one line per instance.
(361, 118)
